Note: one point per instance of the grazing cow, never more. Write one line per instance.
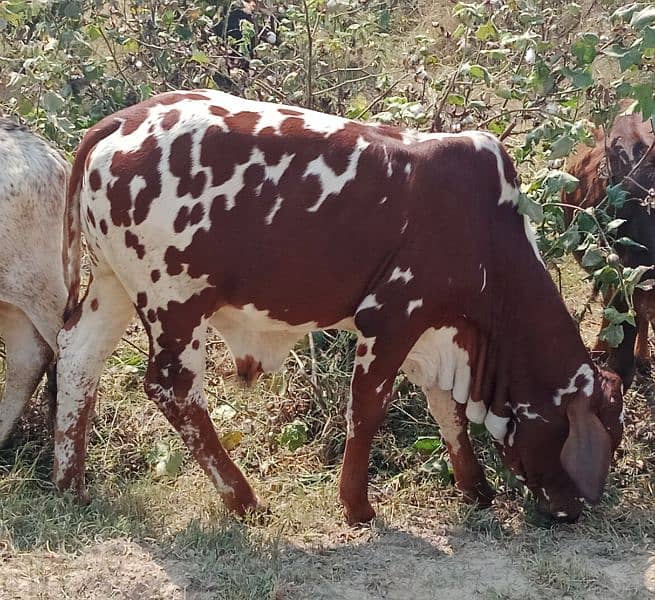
(627, 157)
(36, 267)
(202, 209)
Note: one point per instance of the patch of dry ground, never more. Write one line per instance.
(389, 564)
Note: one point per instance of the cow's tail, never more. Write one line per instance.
(72, 249)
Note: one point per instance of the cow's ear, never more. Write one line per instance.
(587, 452)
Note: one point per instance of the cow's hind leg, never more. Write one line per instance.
(87, 339)
(27, 357)
(174, 381)
(452, 421)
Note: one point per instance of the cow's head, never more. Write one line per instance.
(564, 454)
(631, 156)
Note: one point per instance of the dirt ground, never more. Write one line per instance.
(391, 564)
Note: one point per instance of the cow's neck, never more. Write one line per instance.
(538, 343)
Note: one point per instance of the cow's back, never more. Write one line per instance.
(294, 211)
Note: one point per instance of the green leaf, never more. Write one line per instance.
(427, 444)
(24, 106)
(645, 96)
(53, 102)
(626, 241)
(648, 37)
(626, 12)
(642, 18)
(293, 435)
(581, 78)
(200, 58)
(561, 147)
(627, 57)
(486, 32)
(131, 45)
(478, 72)
(616, 317)
(556, 181)
(615, 224)
(612, 334)
(633, 276)
(584, 48)
(607, 275)
(533, 210)
(616, 196)
(456, 99)
(570, 239)
(593, 257)
(72, 10)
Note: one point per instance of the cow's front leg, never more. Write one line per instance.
(376, 365)
(87, 339)
(174, 381)
(452, 421)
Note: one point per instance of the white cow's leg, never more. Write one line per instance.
(27, 357)
(85, 342)
(452, 421)
(174, 381)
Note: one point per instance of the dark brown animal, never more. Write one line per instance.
(201, 209)
(627, 157)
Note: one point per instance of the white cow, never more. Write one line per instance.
(37, 269)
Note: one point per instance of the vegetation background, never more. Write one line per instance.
(538, 73)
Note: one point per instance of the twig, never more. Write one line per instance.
(508, 130)
(343, 83)
(381, 96)
(113, 55)
(312, 354)
(309, 69)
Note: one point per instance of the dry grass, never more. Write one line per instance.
(152, 534)
(181, 533)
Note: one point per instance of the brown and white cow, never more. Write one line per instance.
(36, 268)
(265, 222)
(626, 156)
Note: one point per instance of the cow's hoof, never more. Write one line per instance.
(246, 509)
(481, 494)
(360, 514)
(78, 496)
(643, 365)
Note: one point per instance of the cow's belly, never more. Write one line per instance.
(260, 342)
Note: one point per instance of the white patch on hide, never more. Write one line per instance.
(523, 410)
(496, 426)
(414, 304)
(369, 302)
(271, 215)
(365, 360)
(509, 193)
(405, 275)
(443, 409)
(476, 411)
(584, 369)
(331, 183)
